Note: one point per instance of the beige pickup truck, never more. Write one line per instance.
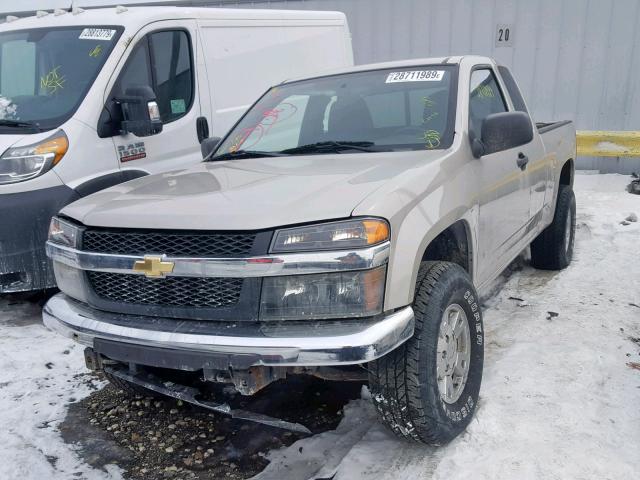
(341, 229)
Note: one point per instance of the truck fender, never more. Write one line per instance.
(401, 277)
(108, 180)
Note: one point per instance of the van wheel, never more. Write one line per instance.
(553, 248)
(427, 389)
(131, 389)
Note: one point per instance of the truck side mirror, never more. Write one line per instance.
(208, 146)
(140, 112)
(502, 131)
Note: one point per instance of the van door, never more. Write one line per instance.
(504, 196)
(163, 58)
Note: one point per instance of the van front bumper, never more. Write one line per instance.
(238, 344)
(24, 265)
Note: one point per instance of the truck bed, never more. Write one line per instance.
(544, 127)
(559, 138)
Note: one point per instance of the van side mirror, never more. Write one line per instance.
(208, 146)
(502, 131)
(140, 112)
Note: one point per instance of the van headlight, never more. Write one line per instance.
(64, 233)
(18, 164)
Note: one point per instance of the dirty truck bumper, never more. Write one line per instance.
(24, 265)
(201, 344)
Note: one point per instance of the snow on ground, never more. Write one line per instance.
(40, 373)
(558, 399)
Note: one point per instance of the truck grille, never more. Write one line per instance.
(193, 292)
(173, 244)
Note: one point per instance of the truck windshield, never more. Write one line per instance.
(377, 110)
(46, 72)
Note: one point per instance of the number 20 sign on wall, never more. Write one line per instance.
(504, 35)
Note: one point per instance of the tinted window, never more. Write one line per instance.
(485, 98)
(173, 75)
(512, 88)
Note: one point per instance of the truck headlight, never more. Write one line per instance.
(323, 296)
(18, 164)
(63, 232)
(70, 280)
(355, 233)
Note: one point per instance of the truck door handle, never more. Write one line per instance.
(522, 161)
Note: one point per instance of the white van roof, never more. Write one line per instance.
(137, 17)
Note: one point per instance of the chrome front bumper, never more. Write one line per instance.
(313, 343)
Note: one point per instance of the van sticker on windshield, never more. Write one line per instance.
(52, 81)
(178, 105)
(415, 76)
(97, 34)
(132, 151)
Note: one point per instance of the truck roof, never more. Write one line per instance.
(136, 17)
(412, 62)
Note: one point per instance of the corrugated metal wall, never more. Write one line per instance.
(574, 59)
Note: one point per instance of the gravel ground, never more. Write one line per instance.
(156, 437)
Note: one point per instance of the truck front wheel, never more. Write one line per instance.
(427, 389)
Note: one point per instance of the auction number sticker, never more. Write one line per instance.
(415, 76)
(97, 34)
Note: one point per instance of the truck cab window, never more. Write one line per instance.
(385, 109)
(512, 88)
(485, 98)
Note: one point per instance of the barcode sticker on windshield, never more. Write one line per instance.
(415, 76)
(97, 34)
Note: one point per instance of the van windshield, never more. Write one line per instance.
(46, 72)
(378, 110)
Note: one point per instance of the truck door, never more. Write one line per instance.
(163, 58)
(538, 169)
(504, 193)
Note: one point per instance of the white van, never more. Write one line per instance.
(89, 99)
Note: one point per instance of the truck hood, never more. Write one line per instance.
(246, 194)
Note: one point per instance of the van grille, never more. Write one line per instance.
(194, 292)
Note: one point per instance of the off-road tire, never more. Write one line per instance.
(131, 389)
(403, 383)
(550, 250)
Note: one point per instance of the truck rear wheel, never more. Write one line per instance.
(553, 248)
(427, 389)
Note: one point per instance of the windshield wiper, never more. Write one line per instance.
(243, 154)
(6, 122)
(331, 146)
